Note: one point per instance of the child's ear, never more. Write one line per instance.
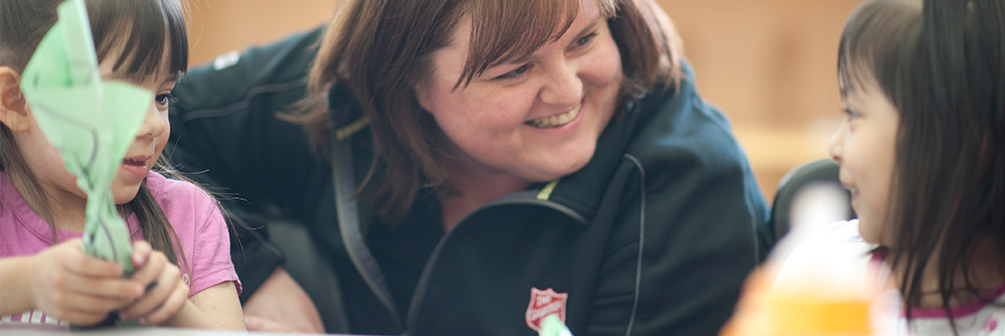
(14, 111)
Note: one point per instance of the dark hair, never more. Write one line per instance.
(943, 68)
(378, 50)
(145, 27)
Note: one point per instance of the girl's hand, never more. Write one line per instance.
(72, 286)
(166, 293)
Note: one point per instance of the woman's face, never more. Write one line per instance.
(535, 119)
(864, 146)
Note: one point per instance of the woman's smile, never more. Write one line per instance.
(557, 120)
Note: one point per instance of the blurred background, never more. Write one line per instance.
(771, 65)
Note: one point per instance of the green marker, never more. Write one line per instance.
(91, 122)
(551, 325)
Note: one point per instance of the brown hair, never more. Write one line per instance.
(942, 65)
(146, 27)
(376, 51)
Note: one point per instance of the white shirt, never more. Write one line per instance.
(840, 243)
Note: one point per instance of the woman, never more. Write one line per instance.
(495, 164)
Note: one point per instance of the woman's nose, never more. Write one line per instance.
(154, 124)
(563, 87)
(836, 147)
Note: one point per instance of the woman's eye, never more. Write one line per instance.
(165, 98)
(515, 73)
(585, 39)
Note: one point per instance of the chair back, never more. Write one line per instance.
(820, 171)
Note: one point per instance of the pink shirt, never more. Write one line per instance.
(196, 219)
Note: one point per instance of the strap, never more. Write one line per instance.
(348, 221)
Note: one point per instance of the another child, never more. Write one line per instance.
(186, 277)
(922, 149)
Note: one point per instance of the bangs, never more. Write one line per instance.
(854, 73)
(506, 30)
(868, 52)
(143, 28)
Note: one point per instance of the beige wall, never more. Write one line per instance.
(772, 67)
(219, 26)
(770, 64)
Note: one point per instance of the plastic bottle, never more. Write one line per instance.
(817, 281)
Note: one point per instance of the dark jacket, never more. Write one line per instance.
(653, 237)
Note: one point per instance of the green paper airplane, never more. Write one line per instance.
(90, 121)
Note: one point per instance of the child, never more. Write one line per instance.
(184, 275)
(922, 149)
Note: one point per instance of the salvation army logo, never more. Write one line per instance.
(544, 303)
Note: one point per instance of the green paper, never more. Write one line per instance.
(551, 325)
(90, 121)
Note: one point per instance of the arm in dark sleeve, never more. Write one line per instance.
(227, 136)
(700, 245)
(695, 213)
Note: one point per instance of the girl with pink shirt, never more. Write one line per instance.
(184, 275)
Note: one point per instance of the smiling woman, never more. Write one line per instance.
(478, 54)
(533, 120)
(492, 165)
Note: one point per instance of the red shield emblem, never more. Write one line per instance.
(544, 303)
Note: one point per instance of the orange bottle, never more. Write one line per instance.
(817, 281)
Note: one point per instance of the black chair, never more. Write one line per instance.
(820, 171)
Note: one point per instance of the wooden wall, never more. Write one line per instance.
(772, 67)
(769, 64)
(220, 26)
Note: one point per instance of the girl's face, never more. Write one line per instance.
(152, 135)
(864, 147)
(44, 160)
(536, 119)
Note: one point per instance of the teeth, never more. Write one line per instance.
(557, 120)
